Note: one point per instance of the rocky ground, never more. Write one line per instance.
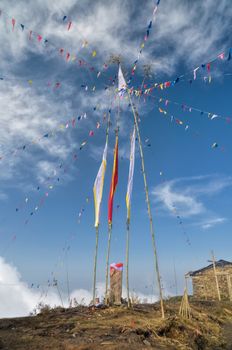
(83, 328)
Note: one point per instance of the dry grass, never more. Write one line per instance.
(120, 328)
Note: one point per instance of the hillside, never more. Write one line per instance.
(84, 328)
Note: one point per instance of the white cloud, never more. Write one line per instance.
(183, 31)
(187, 205)
(110, 27)
(19, 299)
(207, 224)
(26, 117)
(187, 197)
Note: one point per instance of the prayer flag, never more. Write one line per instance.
(98, 186)
(131, 174)
(69, 25)
(13, 23)
(114, 182)
(195, 73)
(121, 82)
(116, 266)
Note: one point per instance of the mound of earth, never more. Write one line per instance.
(141, 327)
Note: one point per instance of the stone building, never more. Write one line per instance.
(204, 281)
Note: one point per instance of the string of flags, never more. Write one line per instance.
(53, 184)
(146, 36)
(57, 85)
(50, 185)
(186, 127)
(67, 55)
(161, 86)
(224, 56)
(53, 85)
(63, 126)
(82, 210)
(57, 180)
(187, 108)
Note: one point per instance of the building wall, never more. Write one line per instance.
(204, 284)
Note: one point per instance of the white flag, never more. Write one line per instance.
(98, 186)
(121, 82)
(131, 174)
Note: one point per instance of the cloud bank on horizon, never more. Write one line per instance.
(19, 299)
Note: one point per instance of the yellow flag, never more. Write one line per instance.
(98, 186)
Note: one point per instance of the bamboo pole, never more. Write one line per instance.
(95, 265)
(229, 285)
(107, 261)
(127, 244)
(215, 275)
(135, 114)
(127, 262)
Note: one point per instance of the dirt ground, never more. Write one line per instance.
(84, 328)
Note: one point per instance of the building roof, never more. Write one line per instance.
(219, 263)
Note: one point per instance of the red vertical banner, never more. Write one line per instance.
(114, 182)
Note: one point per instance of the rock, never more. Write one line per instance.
(146, 342)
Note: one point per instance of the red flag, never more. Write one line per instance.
(69, 25)
(114, 182)
(13, 23)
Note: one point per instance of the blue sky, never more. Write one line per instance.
(195, 178)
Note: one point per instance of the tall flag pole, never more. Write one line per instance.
(97, 192)
(114, 181)
(128, 205)
(122, 89)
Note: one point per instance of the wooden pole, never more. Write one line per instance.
(127, 262)
(186, 282)
(95, 265)
(135, 114)
(107, 261)
(229, 286)
(215, 275)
